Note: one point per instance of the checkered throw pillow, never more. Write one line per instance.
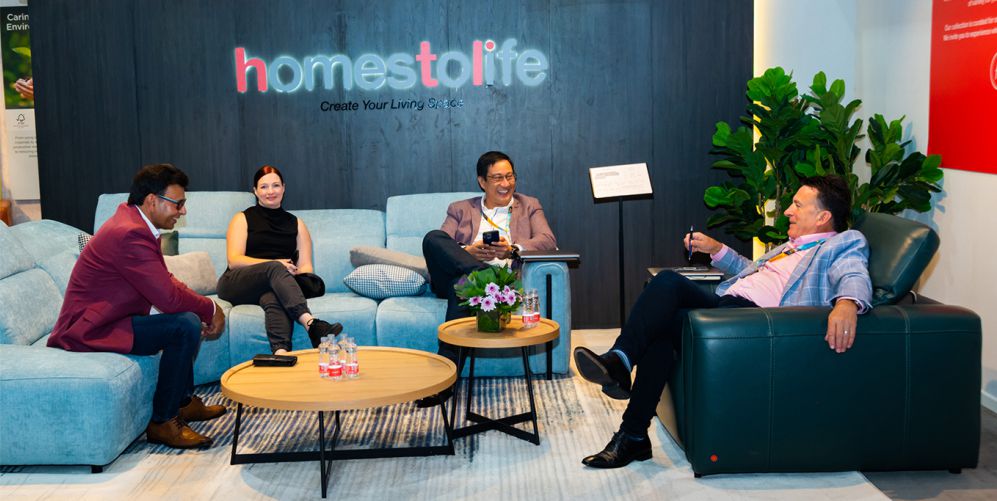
(379, 281)
(83, 239)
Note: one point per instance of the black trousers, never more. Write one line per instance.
(652, 336)
(447, 262)
(281, 295)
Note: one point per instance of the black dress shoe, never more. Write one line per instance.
(319, 329)
(607, 369)
(619, 452)
(431, 401)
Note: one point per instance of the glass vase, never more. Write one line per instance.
(492, 321)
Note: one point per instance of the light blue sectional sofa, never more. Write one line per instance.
(58, 407)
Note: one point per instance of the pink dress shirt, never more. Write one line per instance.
(766, 286)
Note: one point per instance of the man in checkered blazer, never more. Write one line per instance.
(823, 264)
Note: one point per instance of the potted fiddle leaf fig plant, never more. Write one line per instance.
(807, 135)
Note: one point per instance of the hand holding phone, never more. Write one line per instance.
(490, 237)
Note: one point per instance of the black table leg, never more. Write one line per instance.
(456, 385)
(550, 344)
(323, 473)
(235, 435)
(529, 389)
(327, 452)
(470, 384)
(483, 423)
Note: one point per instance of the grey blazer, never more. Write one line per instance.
(528, 228)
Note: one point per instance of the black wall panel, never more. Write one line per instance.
(123, 83)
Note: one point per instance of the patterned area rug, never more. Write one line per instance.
(575, 420)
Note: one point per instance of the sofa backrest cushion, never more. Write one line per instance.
(334, 232)
(29, 306)
(106, 205)
(46, 238)
(409, 217)
(14, 258)
(60, 267)
(899, 251)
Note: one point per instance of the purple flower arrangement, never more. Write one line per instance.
(491, 289)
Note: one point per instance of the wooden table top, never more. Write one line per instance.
(387, 376)
(464, 332)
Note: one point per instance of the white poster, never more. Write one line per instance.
(20, 154)
(620, 181)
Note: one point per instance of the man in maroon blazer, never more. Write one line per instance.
(122, 299)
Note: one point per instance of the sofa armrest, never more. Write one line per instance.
(758, 389)
(551, 280)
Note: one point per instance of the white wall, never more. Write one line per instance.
(882, 50)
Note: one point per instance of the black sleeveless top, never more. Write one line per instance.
(270, 233)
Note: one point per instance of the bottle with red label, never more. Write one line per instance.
(352, 368)
(323, 358)
(335, 362)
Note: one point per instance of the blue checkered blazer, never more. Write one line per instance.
(838, 267)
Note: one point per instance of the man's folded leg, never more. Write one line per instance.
(178, 336)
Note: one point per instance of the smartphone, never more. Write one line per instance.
(263, 360)
(490, 237)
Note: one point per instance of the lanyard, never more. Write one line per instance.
(791, 250)
(497, 227)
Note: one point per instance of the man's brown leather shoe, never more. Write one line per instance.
(175, 433)
(197, 411)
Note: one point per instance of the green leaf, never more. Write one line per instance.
(722, 134)
(716, 196)
(805, 169)
(24, 51)
(838, 88)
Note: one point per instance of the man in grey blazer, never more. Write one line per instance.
(823, 264)
(458, 248)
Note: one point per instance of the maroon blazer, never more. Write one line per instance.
(529, 227)
(120, 274)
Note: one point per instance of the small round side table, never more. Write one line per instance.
(463, 333)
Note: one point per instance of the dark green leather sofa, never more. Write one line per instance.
(758, 389)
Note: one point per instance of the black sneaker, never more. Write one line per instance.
(319, 329)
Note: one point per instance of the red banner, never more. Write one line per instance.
(962, 123)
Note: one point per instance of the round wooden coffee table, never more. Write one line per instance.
(463, 333)
(387, 376)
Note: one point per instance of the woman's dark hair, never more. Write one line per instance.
(833, 195)
(489, 159)
(266, 169)
(155, 179)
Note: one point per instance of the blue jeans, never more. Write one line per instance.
(178, 336)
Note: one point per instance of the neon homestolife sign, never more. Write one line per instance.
(452, 69)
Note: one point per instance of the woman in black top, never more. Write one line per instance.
(270, 264)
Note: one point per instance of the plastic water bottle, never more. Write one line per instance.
(352, 360)
(323, 358)
(531, 309)
(335, 362)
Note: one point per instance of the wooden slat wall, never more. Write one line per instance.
(122, 83)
